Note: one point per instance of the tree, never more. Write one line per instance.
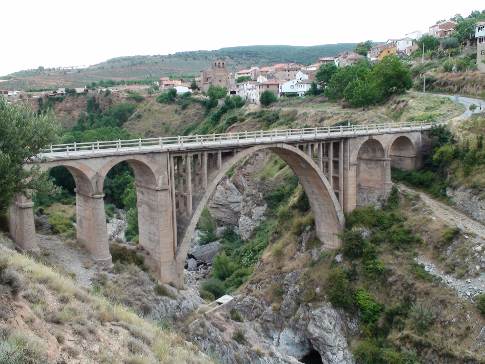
(325, 73)
(267, 98)
(22, 135)
(193, 85)
(314, 90)
(167, 97)
(465, 30)
(362, 92)
(450, 43)
(341, 79)
(430, 43)
(216, 92)
(392, 76)
(242, 79)
(364, 47)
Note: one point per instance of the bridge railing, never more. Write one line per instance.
(239, 137)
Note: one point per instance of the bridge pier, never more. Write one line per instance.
(21, 223)
(91, 226)
(157, 234)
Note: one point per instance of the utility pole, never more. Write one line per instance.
(424, 82)
(422, 56)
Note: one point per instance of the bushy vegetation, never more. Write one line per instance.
(449, 161)
(354, 284)
(22, 135)
(267, 98)
(364, 84)
(233, 266)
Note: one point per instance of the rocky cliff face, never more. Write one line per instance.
(252, 329)
(292, 333)
(238, 200)
(469, 201)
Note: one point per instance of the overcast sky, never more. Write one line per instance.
(84, 32)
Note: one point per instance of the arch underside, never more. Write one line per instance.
(403, 153)
(329, 218)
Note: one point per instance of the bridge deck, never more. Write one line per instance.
(226, 140)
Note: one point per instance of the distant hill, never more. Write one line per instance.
(180, 64)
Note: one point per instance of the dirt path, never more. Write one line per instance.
(448, 214)
(467, 288)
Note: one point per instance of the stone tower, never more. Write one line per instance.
(480, 35)
(217, 75)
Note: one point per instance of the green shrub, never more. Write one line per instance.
(367, 352)
(207, 226)
(421, 273)
(167, 97)
(267, 98)
(122, 254)
(239, 337)
(422, 317)
(222, 267)
(235, 315)
(480, 302)
(369, 309)
(352, 244)
(135, 96)
(338, 289)
(216, 92)
(449, 234)
(20, 348)
(61, 224)
(214, 286)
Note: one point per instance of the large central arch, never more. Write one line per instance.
(329, 217)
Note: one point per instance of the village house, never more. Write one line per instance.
(378, 52)
(249, 91)
(405, 46)
(252, 73)
(347, 59)
(326, 60)
(270, 85)
(442, 29)
(299, 86)
(480, 36)
(166, 83)
(286, 71)
(266, 71)
(311, 68)
(217, 75)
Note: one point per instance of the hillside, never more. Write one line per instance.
(181, 64)
(47, 318)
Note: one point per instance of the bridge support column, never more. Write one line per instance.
(157, 231)
(91, 226)
(188, 184)
(21, 223)
(204, 170)
(330, 163)
(320, 156)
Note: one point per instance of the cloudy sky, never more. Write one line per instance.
(69, 33)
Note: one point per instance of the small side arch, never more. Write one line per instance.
(402, 152)
(373, 172)
(144, 174)
(329, 217)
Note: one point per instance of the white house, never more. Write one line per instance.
(405, 45)
(300, 76)
(299, 87)
(416, 35)
(249, 91)
(182, 89)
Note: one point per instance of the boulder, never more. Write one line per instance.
(205, 253)
(225, 205)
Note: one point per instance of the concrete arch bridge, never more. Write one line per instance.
(339, 168)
